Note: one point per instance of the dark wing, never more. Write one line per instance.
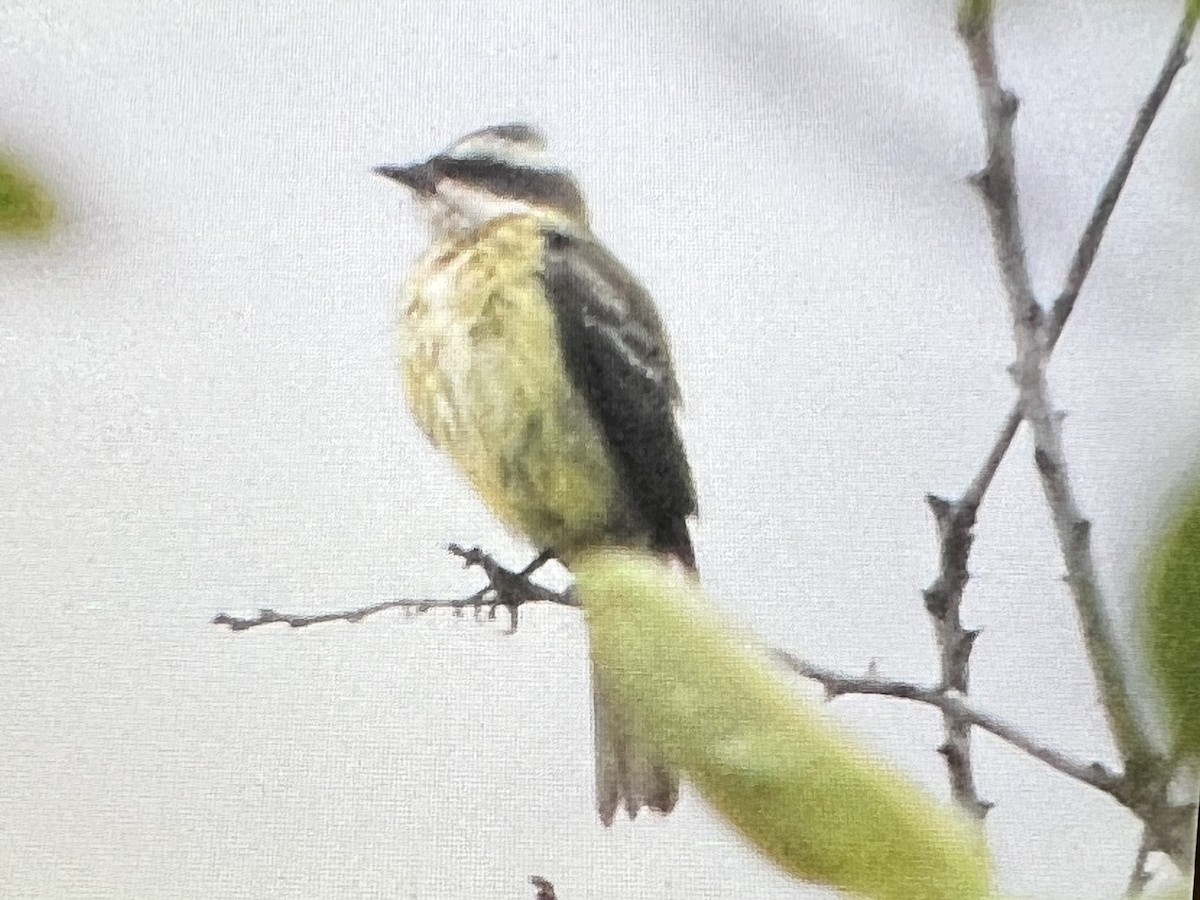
(617, 357)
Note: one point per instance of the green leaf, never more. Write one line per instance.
(25, 206)
(772, 763)
(1171, 626)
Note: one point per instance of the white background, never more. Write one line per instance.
(200, 411)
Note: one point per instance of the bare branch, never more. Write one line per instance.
(943, 600)
(979, 486)
(505, 587)
(1034, 340)
(1140, 876)
(1074, 538)
(514, 589)
(1093, 234)
(997, 181)
(955, 706)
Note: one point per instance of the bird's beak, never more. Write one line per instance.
(416, 177)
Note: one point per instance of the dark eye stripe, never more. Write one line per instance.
(544, 187)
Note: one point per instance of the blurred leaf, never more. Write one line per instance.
(772, 763)
(25, 206)
(1172, 624)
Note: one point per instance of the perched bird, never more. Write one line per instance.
(539, 364)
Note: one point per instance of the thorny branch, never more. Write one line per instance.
(953, 704)
(1144, 784)
(943, 600)
(514, 589)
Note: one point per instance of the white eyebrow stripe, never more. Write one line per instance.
(490, 144)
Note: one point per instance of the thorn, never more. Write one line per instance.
(941, 508)
(1099, 770)
(1009, 104)
(970, 635)
(982, 182)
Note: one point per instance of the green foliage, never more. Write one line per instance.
(25, 206)
(1171, 626)
(772, 763)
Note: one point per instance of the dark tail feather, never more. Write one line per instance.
(626, 773)
(673, 536)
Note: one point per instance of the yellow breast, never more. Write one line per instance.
(486, 381)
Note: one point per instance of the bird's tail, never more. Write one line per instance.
(627, 772)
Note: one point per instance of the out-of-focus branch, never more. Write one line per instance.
(505, 587)
(545, 890)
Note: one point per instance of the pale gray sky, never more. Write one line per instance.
(200, 411)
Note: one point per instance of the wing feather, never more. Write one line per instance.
(617, 355)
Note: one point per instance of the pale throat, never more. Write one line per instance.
(457, 210)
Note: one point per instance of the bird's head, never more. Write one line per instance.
(497, 171)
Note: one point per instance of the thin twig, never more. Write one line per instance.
(1168, 829)
(505, 587)
(1093, 234)
(513, 589)
(1140, 876)
(954, 705)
